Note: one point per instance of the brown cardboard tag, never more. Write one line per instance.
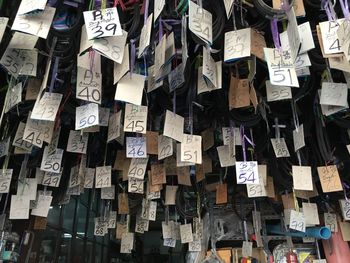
(183, 175)
(257, 44)
(207, 139)
(329, 177)
(40, 223)
(123, 204)
(158, 174)
(221, 194)
(239, 93)
(152, 142)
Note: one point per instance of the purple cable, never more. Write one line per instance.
(345, 8)
(275, 34)
(132, 57)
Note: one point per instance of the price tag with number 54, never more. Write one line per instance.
(247, 172)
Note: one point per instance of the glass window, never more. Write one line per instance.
(91, 225)
(98, 254)
(78, 254)
(89, 252)
(53, 217)
(48, 245)
(65, 246)
(105, 254)
(84, 197)
(81, 218)
(68, 215)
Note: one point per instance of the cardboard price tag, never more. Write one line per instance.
(329, 177)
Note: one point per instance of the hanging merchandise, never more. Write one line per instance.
(174, 131)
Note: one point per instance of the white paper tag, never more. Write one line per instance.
(165, 147)
(135, 118)
(302, 178)
(247, 249)
(51, 179)
(170, 194)
(18, 140)
(329, 35)
(108, 193)
(173, 126)
(293, 33)
(42, 206)
(3, 24)
(135, 186)
(86, 116)
(111, 47)
(152, 210)
(195, 245)
(103, 176)
(46, 108)
(228, 7)
(167, 230)
(307, 41)
(225, 157)
(28, 6)
(35, 24)
(330, 221)
(311, 214)
(130, 88)
(123, 67)
(13, 61)
(112, 219)
(247, 172)
(89, 85)
(127, 243)
(191, 149)
(52, 162)
(89, 177)
(114, 126)
(19, 208)
(334, 94)
(100, 227)
(27, 187)
(30, 63)
(280, 147)
(281, 68)
(145, 36)
(209, 68)
(297, 221)
(158, 7)
(298, 138)
(237, 44)
(13, 96)
(136, 147)
(102, 23)
(186, 233)
(169, 242)
(140, 224)
(77, 142)
(4, 147)
(137, 168)
(23, 41)
(5, 180)
(275, 92)
(159, 57)
(74, 178)
(345, 209)
(176, 78)
(200, 22)
(343, 34)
